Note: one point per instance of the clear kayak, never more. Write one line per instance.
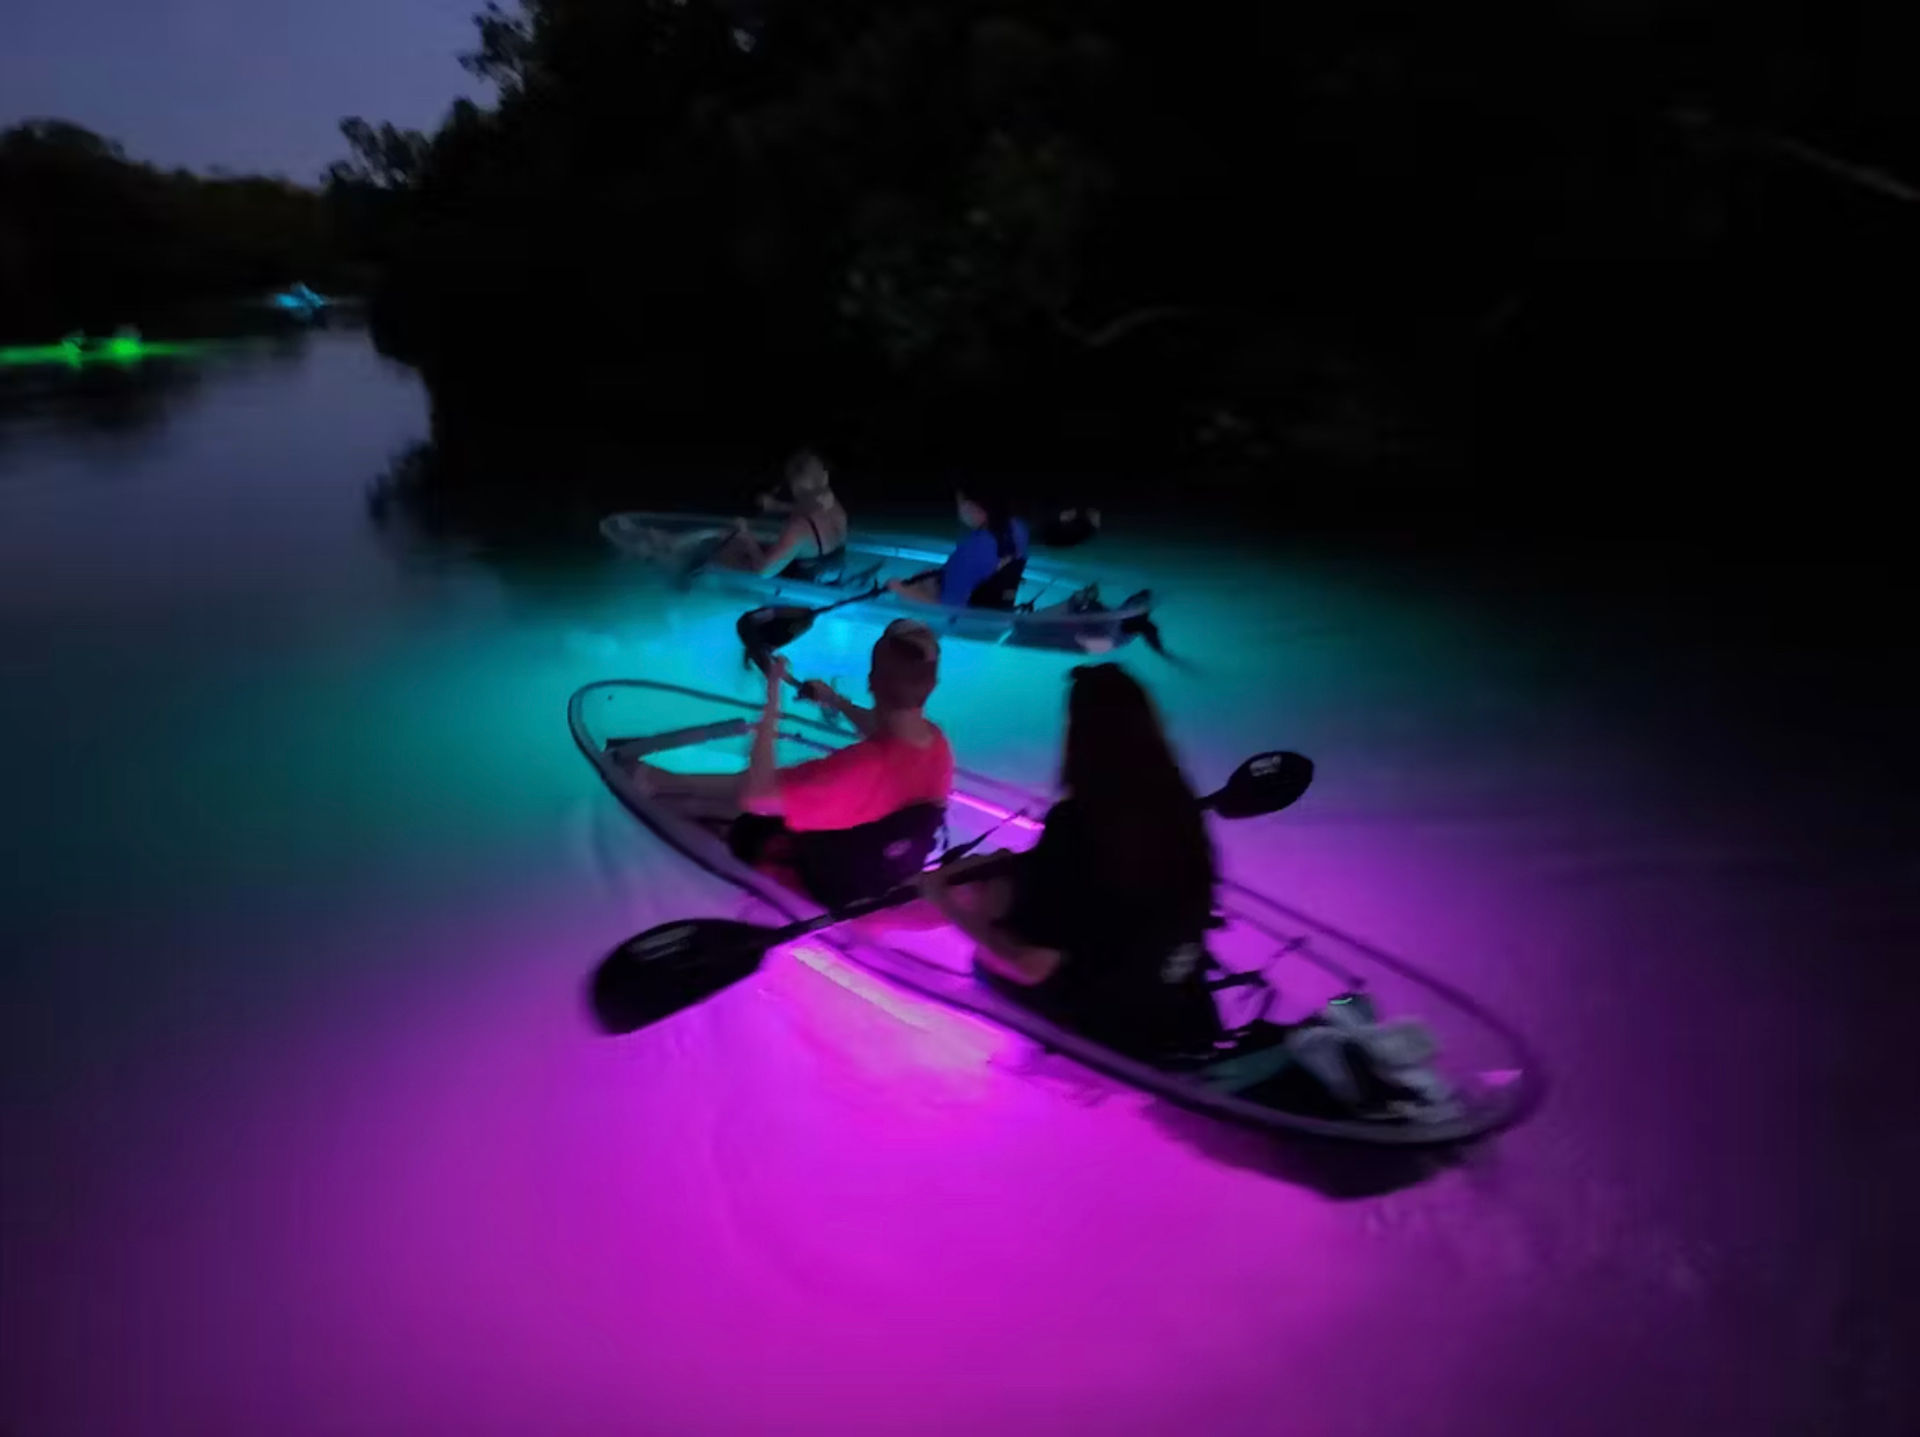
(1058, 608)
(1285, 964)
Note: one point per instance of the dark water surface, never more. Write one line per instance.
(305, 1131)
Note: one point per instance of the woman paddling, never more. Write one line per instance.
(985, 568)
(1101, 926)
(814, 539)
(856, 823)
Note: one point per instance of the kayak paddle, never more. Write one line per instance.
(1265, 783)
(774, 626)
(762, 660)
(671, 966)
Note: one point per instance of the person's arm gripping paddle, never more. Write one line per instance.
(774, 559)
(761, 792)
(973, 560)
(977, 914)
(920, 589)
(865, 721)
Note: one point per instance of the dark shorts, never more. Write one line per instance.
(840, 866)
(756, 839)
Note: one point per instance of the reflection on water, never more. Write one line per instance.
(136, 388)
(107, 399)
(306, 1130)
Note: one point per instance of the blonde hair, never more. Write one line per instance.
(810, 482)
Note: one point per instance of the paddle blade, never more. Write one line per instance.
(1144, 626)
(763, 630)
(1265, 783)
(655, 974)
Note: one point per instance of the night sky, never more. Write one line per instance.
(247, 84)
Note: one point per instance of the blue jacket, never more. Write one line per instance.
(973, 562)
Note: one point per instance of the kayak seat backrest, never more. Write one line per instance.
(1001, 588)
(843, 865)
(819, 569)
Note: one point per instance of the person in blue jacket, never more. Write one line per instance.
(985, 568)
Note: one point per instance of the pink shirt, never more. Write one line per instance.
(865, 782)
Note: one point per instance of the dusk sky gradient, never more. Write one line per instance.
(246, 84)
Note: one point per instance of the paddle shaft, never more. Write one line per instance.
(801, 618)
(763, 660)
(875, 592)
(655, 974)
(861, 908)
(906, 893)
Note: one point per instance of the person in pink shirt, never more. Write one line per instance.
(858, 821)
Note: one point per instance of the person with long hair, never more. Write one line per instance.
(1101, 925)
(985, 568)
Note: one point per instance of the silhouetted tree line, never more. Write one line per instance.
(1388, 235)
(92, 239)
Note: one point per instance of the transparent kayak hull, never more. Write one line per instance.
(1494, 1079)
(678, 543)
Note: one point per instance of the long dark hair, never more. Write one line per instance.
(1138, 807)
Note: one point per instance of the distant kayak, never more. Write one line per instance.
(78, 351)
(1058, 608)
(1485, 1078)
(300, 301)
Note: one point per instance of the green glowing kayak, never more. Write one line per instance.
(78, 352)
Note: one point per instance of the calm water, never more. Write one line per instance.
(305, 1131)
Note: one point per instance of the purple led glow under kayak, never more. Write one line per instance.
(1491, 1075)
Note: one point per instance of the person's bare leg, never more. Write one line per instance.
(742, 552)
(921, 591)
(711, 796)
(990, 898)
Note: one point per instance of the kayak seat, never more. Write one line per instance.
(840, 866)
(818, 569)
(843, 865)
(1001, 588)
